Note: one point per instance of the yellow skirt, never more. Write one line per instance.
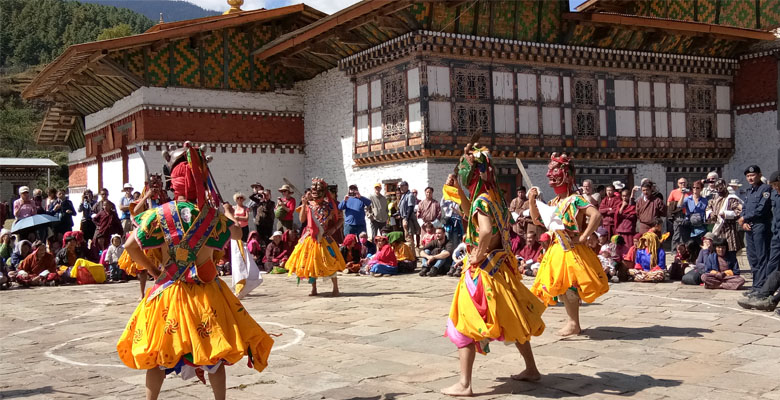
(313, 259)
(204, 324)
(491, 303)
(560, 270)
(126, 264)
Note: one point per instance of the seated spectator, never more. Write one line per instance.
(21, 251)
(67, 255)
(530, 255)
(693, 273)
(38, 268)
(722, 268)
(407, 262)
(457, 260)
(680, 262)
(619, 251)
(437, 255)
(113, 253)
(516, 242)
(650, 262)
(255, 248)
(53, 245)
(384, 261)
(276, 253)
(6, 247)
(350, 250)
(429, 234)
(367, 248)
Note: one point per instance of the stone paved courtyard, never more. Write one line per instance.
(383, 340)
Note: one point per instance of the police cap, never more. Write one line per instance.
(753, 169)
(775, 177)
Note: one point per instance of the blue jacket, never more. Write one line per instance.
(712, 263)
(775, 213)
(643, 259)
(758, 206)
(354, 210)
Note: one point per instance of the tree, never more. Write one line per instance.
(17, 128)
(116, 31)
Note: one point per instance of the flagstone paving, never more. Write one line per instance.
(382, 339)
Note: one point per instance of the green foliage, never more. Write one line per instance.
(114, 32)
(37, 31)
(173, 10)
(17, 127)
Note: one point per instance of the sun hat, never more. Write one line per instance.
(285, 188)
(127, 186)
(618, 185)
(735, 183)
(277, 233)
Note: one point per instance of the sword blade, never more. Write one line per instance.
(524, 173)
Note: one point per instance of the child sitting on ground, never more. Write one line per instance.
(113, 253)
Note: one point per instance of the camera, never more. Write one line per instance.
(686, 190)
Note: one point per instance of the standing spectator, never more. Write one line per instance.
(51, 198)
(587, 192)
(649, 206)
(377, 212)
(601, 192)
(38, 200)
(437, 255)
(285, 206)
(86, 208)
(723, 211)
(166, 170)
(124, 208)
(710, 190)
(694, 209)
(24, 206)
(675, 213)
(406, 206)
(625, 217)
(722, 269)
(755, 221)
(354, 208)
(107, 223)
(101, 204)
(518, 206)
(450, 212)
(62, 208)
(242, 215)
(608, 206)
(429, 210)
(264, 212)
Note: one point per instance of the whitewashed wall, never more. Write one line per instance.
(655, 172)
(757, 141)
(112, 180)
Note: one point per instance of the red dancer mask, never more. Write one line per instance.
(560, 173)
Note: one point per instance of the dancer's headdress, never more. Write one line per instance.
(190, 176)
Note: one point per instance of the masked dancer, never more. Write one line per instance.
(317, 255)
(570, 270)
(490, 302)
(189, 321)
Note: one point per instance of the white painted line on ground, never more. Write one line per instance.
(299, 334)
(50, 353)
(741, 310)
(100, 307)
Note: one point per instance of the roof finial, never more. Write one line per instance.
(161, 19)
(235, 6)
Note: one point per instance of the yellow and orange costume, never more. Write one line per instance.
(189, 321)
(490, 301)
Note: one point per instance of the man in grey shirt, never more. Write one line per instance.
(377, 212)
(408, 214)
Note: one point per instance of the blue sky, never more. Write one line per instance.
(328, 6)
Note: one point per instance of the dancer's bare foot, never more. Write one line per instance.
(334, 293)
(313, 293)
(571, 329)
(528, 376)
(458, 390)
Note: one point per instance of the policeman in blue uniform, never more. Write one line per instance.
(756, 220)
(768, 297)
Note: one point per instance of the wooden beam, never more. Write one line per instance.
(352, 39)
(127, 75)
(297, 63)
(390, 23)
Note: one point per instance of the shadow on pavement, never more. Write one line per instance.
(648, 332)
(10, 394)
(558, 385)
(371, 294)
(386, 396)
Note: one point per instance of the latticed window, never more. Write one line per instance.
(701, 126)
(700, 98)
(394, 122)
(585, 123)
(584, 92)
(470, 117)
(393, 91)
(472, 84)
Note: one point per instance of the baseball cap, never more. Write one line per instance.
(379, 185)
(127, 186)
(709, 235)
(24, 189)
(753, 169)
